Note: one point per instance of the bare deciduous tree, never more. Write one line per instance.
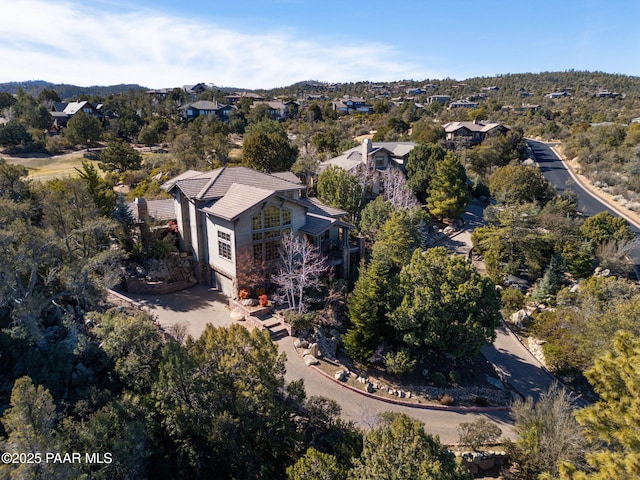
(301, 268)
(397, 191)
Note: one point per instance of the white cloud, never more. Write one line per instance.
(71, 43)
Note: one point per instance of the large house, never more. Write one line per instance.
(471, 133)
(372, 158)
(232, 220)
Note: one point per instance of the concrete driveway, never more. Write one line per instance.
(193, 308)
(197, 306)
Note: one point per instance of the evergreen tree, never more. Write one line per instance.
(448, 190)
(446, 304)
(368, 308)
(119, 157)
(83, 129)
(103, 195)
(315, 465)
(421, 167)
(339, 189)
(399, 448)
(551, 281)
(30, 426)
(614, 420)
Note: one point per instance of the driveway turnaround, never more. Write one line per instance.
(197, 306)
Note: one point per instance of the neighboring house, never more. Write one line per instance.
(438, 98)
(557, 95)
(235, 97)
(471, 133)
(349, 104)
(195, 90)
(279, 110)
(463, 104)
(62, 112)
(607, 94)
(372, 158)
(233, 219)
(206, 108)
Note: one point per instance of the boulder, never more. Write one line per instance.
(494, 382)
(520, 319)
(314, 349)
(341, 375)
(300, 343)
(237, 314)
(249, 302)
(369, 387)
(310, 360)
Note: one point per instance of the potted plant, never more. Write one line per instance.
(263, 300)
(243, 293)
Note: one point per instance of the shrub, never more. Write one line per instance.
(446, 399)
(454, 376)
(512, 300)
(478, 433)
(481, 401)
(438, 379)
(299, 321)
(399, 362)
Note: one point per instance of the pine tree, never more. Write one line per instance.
(448, 191)
(367, 311)
(614, 419)
(551, 281)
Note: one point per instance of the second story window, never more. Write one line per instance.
(224, 245)
(267, 227)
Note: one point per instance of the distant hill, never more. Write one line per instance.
(66, 92)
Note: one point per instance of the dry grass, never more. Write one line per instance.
(43, 168)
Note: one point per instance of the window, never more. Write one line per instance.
(379, 161)
(268, 227)
(224, 245)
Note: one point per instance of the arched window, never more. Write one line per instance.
(268, 226)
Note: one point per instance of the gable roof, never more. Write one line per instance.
(478, 127)
(73, 107)
(203, 105)
(215, 183)
(238, 199)
(352, 158)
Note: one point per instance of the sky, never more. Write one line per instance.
(275, 43)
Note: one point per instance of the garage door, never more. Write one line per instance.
(224, 284)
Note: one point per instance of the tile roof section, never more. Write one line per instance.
(237, 200)
(288, 176)
(316, 224)
(215, 183)
(316, 206)
(159, 210)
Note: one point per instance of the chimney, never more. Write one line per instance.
(366, 149)
(140, 210)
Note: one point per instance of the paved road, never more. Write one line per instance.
(364, 410)
(558, 175)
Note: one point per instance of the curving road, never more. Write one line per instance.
(558, 175)
(363, 410)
